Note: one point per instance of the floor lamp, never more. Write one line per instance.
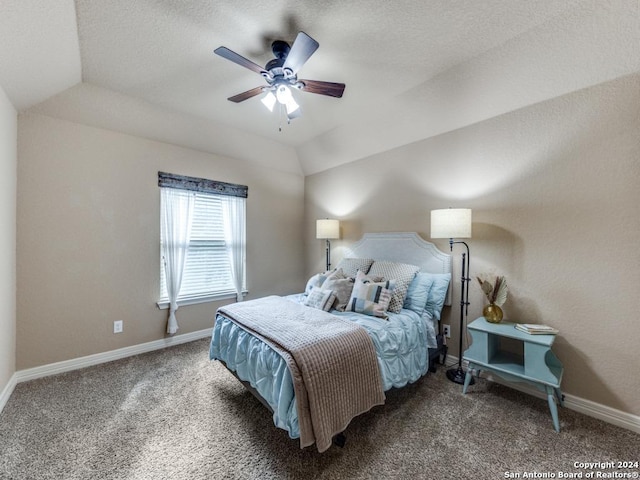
(328, 229)
(453, 223)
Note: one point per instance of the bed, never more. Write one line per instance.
(287, 350)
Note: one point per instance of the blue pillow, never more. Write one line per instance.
(437, 294)
(418, 292)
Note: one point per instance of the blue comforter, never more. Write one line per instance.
(400, 343)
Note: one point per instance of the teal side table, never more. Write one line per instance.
(539, 366)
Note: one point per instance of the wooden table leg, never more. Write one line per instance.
(467, 378)
(553, 408)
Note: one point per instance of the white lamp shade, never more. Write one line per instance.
(327, 228)
(451, 223)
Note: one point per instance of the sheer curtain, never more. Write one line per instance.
(177, 216)
(235, 237)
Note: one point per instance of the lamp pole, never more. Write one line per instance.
(326, 229)
(454, 223)
(457, 375)
(328, 254)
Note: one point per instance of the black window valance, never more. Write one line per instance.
(202, 185)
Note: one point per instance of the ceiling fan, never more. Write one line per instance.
(281, 74)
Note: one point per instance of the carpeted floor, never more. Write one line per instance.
(173, 414)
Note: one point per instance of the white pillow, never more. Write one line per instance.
(320, 299)
(350, 266)
(317, 280)
(341, 287)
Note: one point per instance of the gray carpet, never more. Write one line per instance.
(173, 414)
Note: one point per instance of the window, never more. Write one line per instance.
(211, 243)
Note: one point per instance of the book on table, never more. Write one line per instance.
(535, 329)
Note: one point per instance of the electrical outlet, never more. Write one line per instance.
(446, 329)
(117, 326)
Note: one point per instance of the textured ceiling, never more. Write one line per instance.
(413, 68)
(39, 52)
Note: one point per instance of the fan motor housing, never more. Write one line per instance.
(280, 50)
(273, 64)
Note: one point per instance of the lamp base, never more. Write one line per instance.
(458, 375)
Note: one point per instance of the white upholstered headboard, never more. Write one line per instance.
(403, 247)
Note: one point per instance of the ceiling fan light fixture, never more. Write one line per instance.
(281, 73)
(292, 107)
(284, 96)
(295, 113)
(269, 100)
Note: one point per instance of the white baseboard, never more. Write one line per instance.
(604, 413)
(98, 358)
(581, 405)
(7, 391)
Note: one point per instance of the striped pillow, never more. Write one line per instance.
(370, 297)
(320, 299)
(402, 273)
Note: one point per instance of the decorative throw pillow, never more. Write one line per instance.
(402, 273)
(320, 299)
(437, 294)
(418, 292)
(317, 280)
(350, 266)
(341, 286)
(369, 297)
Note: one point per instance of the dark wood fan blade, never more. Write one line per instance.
(331, 89)
(241, 97)
(301, 50)
(224, 52)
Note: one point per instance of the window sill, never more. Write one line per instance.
(164, 304)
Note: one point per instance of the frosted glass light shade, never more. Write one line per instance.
(451, 223)
(327, 228)
(269, 100)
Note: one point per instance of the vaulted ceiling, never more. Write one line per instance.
(413, 68)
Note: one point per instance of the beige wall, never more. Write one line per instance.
(8, 162)
(554, 189)
(88, 237)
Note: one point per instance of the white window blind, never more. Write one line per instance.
(207, 272)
